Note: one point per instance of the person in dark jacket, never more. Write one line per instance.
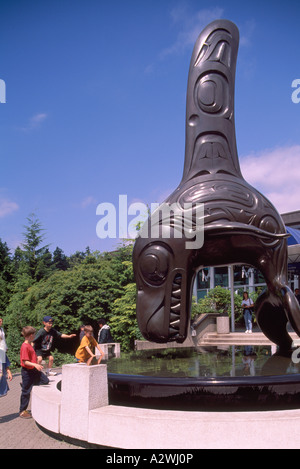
(104, 335)
(297, 295)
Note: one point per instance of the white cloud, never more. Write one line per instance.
(38, 118)
(275, 173)
(35, 121)
(246, 33)
(191, 24)
(7, 207)
(90, 200)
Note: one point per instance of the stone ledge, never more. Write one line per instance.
(45, 405)
(156, 429)
(113, 347)
(136, 428)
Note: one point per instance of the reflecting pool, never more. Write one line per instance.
(205, 378)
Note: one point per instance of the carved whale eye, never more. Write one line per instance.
(268, 223)
(154, 264)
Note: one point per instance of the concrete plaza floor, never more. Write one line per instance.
(17, 433)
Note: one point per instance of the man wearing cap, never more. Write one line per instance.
(44, 342)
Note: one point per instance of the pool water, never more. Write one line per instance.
(203, 362)
(235, 378)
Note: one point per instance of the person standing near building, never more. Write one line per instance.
(247, 305)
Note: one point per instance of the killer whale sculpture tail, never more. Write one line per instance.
(240, 225)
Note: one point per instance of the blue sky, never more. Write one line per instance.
(95, 106)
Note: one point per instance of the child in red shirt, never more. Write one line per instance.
(31, 371)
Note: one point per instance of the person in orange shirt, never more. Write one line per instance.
(87, 345)
(31, 371)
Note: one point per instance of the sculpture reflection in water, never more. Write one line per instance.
(209, 378)
(204, 362)
(240, 225)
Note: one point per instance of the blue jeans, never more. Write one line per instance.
(30, 378)
(248, 320)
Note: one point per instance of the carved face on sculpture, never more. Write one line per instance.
(161, 290)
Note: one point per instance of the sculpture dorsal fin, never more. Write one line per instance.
(210, 130)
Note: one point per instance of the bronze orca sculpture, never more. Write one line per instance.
(239, 225)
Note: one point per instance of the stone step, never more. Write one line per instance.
(238, 338)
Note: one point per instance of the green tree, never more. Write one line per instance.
(16, 316)
(76, 259)
(60, 260)
(218, 300)
(18, 260)
(121, 264)
(74, 290)
(123, 323)
(6, 276)
(36, 258)
(79, 295)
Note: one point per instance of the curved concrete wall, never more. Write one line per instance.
(81, 411)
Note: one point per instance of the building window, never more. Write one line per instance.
(221, 277)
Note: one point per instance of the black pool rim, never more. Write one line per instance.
(272, 392)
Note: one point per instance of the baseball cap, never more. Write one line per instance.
(48, 319)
